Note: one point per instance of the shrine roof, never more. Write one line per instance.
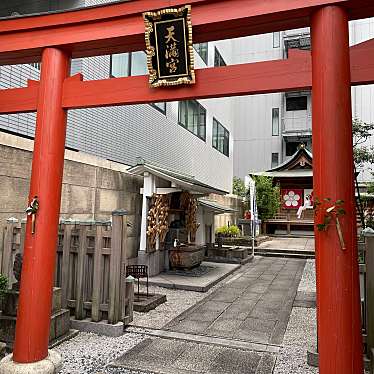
(215, 207)
(184, 181)
(298, 173)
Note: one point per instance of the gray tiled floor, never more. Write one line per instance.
(253, 307)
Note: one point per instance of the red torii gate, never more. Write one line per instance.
(330, 70)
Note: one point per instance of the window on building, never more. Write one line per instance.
(160, 106)
(202, 50)
(274, 160)
(221, 138)
(131, 64)
(128, 64)
(276, 39)
(275, 122)
(138, 63)
(218, 59)
(296, 103)
(192, 116)
(36, 65)
(291, 148)
(120, 65)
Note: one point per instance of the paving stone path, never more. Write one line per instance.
(235, 330)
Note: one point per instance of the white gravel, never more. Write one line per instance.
(90, 354)
(308, 280)
(301, 333)
(177, 302)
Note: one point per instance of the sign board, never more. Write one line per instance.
(168, 37)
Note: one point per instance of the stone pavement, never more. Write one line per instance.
(235, 330)
(287, 243)
(216, 272)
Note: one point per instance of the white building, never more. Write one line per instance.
(268, 128)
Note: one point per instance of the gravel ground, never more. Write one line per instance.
(89, 353)
(301, 332)
(177, 302)
(308, 280)
(300, 335)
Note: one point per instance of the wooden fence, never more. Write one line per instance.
(90, 267)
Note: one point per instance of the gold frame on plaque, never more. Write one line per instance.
(154, 78)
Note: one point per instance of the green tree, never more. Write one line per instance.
(267, 197)
(238, 187)
(361, 132)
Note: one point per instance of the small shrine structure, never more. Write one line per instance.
(295, 180)
(177, 217)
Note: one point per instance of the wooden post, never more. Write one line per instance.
(119, 221)
(338, 294)
(129, 300)
(79, 310)
(65, 265)
(6, 267)
(97, 275)
(35, 301)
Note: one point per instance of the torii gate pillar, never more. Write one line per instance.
(34, 310)
(338, 305)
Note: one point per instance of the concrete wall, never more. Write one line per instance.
(231, 201)
(92, 187)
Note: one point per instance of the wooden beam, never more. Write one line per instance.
(236, 80)
(119, 27)
(19, 100)
(362, 63)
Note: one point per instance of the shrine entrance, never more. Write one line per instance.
(329, 71)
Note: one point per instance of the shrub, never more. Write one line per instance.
(238, 187)
(267, 197)
(228, 231)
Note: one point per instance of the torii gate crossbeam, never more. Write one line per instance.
(114, 28)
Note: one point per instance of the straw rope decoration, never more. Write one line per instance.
(189, 204)
(157, 218)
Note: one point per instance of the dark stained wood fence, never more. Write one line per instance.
(90, 267)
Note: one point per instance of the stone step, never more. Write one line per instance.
(286, 254)
(285, 250)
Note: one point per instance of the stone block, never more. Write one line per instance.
(186, 257)
(9, 302)
(144, 303)
(56, 299)
(109, 179)
(131, 201)
(13, 194)
(241, 253)
(79, 174)
(50, 365)
(52, 329)
(109, 200)
(77, 199)
(312, 357)
(62, 323)
(100, 328)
